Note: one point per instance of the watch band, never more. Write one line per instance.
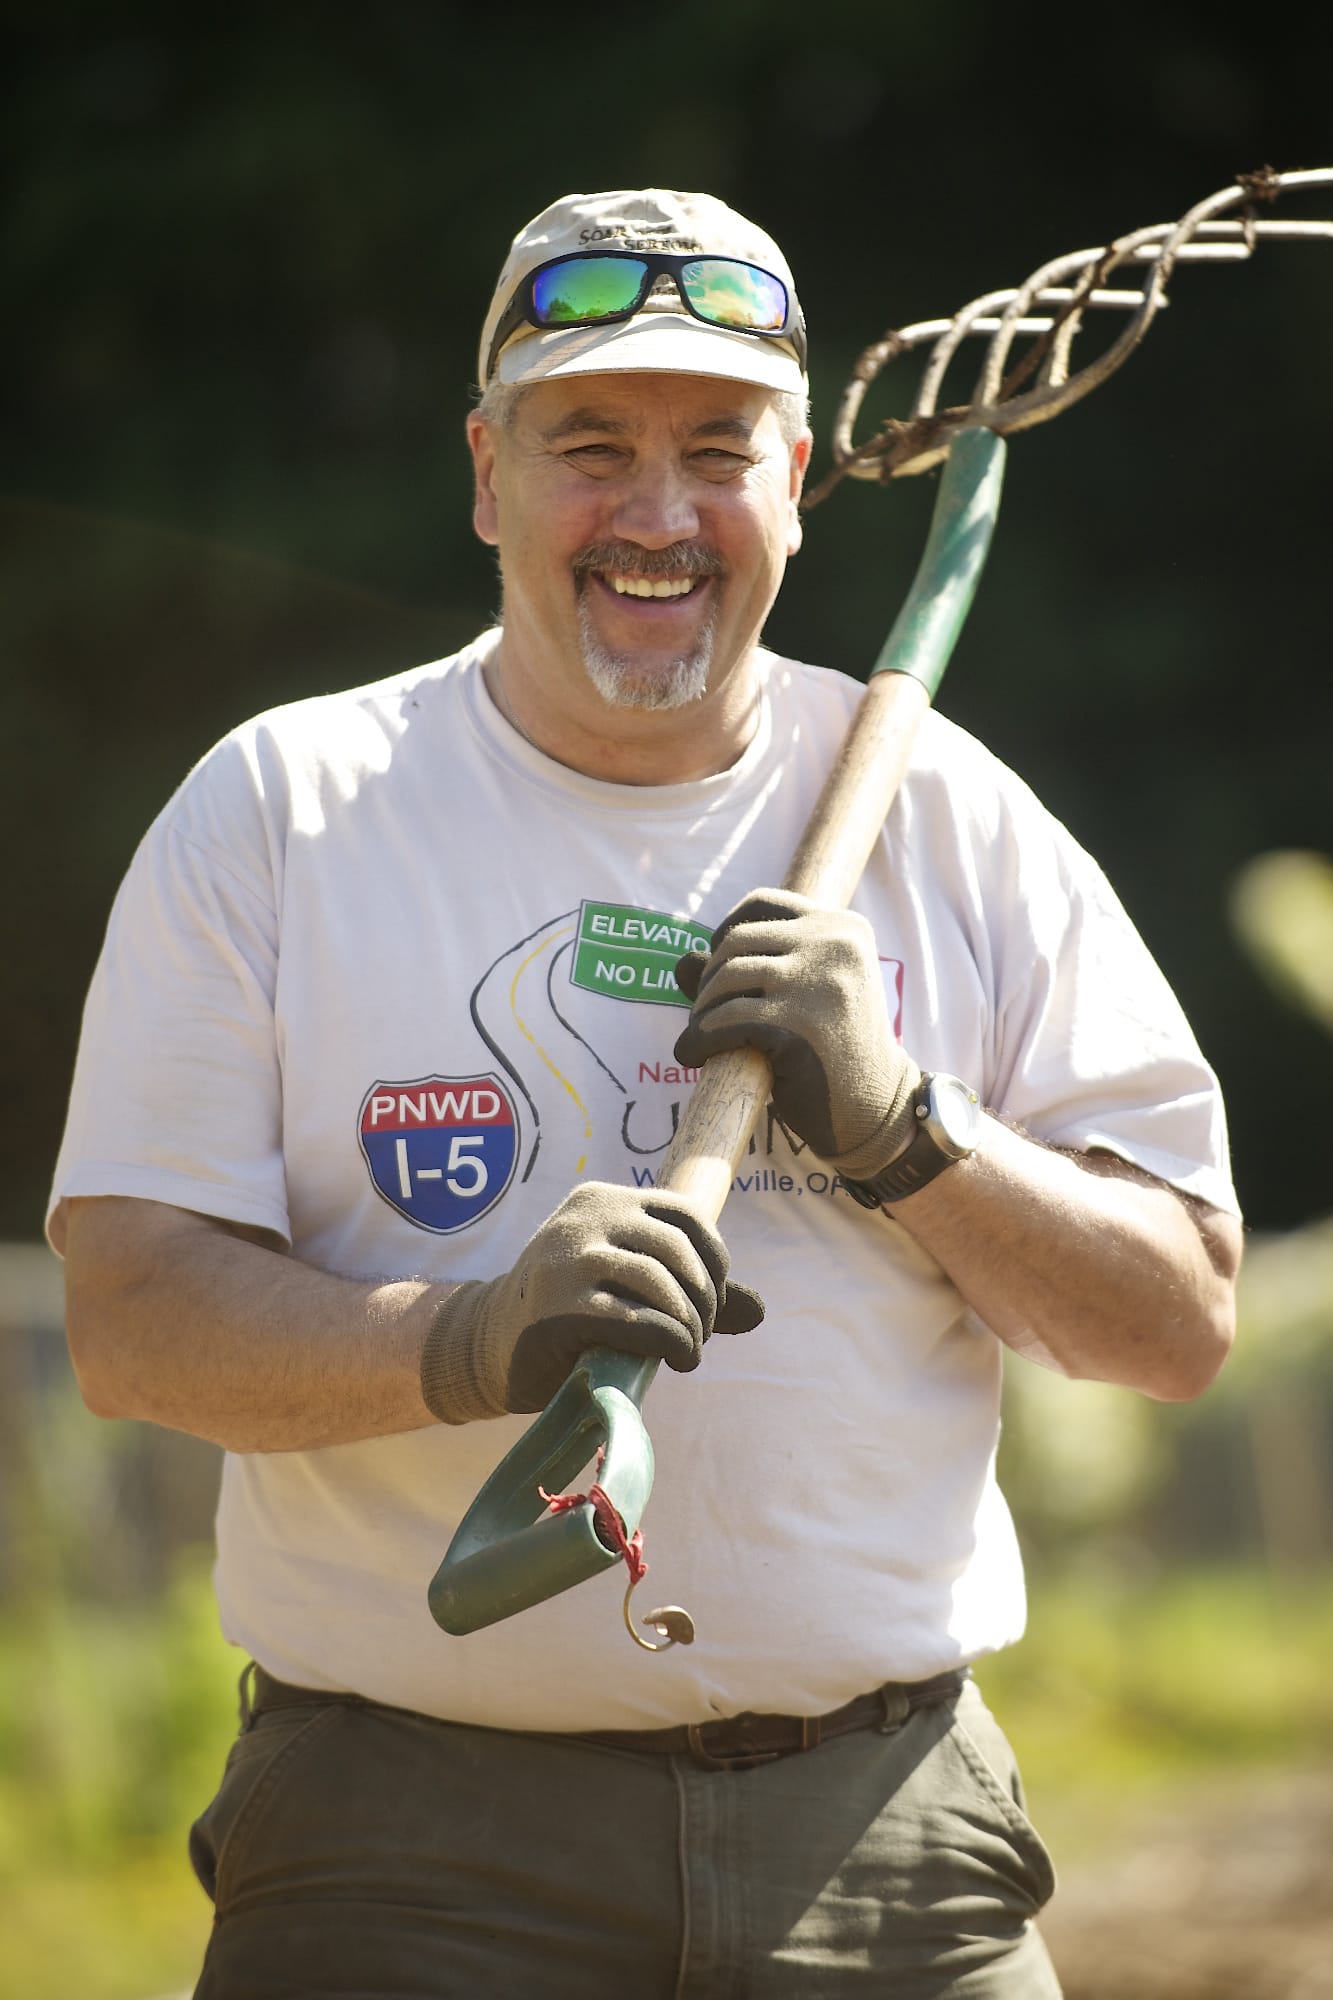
(922, 1159)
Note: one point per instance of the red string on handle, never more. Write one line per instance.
(609, 1523)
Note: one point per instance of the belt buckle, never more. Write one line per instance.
(743, 1760)
(746, 1760)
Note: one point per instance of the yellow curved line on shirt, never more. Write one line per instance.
(559, 1075)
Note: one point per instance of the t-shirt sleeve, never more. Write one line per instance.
(177, 1092)
(1092, 1049)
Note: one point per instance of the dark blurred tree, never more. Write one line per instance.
(245, 259)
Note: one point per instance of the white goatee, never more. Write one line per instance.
(624, 680)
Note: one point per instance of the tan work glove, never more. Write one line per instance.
(804, 985)
(637, 1269)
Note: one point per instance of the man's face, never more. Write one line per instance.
(643, 523)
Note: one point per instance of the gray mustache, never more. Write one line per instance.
(681, 559)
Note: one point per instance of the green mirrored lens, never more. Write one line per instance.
(733, 294)
(586, 288)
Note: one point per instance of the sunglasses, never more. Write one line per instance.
(595, 287)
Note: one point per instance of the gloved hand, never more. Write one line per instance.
(804, 985)
(636, 1269)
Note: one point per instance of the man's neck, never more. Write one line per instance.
(631, 746)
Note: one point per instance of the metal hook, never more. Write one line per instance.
(671, 1620)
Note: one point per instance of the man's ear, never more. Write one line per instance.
(485, 509)
(800, 460)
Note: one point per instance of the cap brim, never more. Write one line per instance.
(658, 343)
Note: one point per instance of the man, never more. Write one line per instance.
(384, 1044)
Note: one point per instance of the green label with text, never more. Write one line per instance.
(631, 954)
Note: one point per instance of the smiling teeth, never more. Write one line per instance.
(645, 586)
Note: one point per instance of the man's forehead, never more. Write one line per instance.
(637, 403)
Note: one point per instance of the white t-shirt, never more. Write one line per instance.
(384, 979)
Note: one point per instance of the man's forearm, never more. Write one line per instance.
(1082, 1264)
(176, 1319)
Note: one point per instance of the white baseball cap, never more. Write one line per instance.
(662, 334)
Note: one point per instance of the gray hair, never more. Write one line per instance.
(500, 401)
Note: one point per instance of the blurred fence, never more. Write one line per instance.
(90, 1508)
(103, 1510)
(1244, 1473)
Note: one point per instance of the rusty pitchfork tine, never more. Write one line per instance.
(1073, 286)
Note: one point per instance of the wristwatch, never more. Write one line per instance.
(948, 1114)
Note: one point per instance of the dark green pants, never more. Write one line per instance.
(363, 1851)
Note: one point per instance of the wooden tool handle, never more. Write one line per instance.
(724, 1107)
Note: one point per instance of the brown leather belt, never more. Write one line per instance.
(733, 1743)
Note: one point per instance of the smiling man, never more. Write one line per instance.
(398, 1006)
(643, 540)
(641, 486)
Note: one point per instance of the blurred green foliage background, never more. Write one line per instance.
(244, 269)
(244, 256)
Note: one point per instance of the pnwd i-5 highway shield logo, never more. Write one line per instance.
(441, 1149)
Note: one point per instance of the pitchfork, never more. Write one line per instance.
(512, 1549)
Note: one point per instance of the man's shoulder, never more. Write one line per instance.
(288, 763)
(323, 722)
(345, 729)
(943, 750)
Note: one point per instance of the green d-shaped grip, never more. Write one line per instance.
(508, 1552)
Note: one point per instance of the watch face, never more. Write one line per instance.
(956, 1110)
